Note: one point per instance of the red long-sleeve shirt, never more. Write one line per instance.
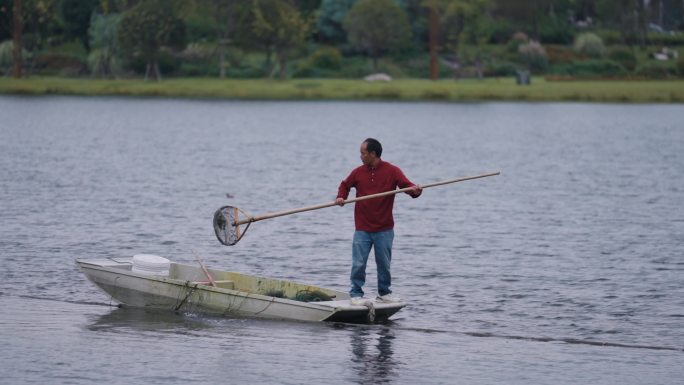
(374, 214)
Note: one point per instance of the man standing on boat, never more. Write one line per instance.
(373, 218)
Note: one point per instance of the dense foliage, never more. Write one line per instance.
(377, 26)
(346, 38)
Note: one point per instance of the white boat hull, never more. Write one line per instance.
(236, 295)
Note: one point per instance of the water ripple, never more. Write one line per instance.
(577, 243)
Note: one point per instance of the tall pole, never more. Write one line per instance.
(17, 20)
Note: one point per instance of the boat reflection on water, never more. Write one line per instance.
(148, 320)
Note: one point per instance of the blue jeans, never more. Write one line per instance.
(381, 242)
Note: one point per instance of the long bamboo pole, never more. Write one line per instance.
(363, 198)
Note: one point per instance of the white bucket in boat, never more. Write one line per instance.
(150, 264)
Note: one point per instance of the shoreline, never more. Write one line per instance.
(447, 90)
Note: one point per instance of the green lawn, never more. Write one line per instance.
(670, 91)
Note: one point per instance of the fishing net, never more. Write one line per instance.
(226, 226)
(312, 296)
(301, 295)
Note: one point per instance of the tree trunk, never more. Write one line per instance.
(268, 65)
(374, 53)
(282, 63)
(18, 46)
(641, 23)
(152, 69)
(434, 24)
(222, 62)
(223, 42)
(157, 73)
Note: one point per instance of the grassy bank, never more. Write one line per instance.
(338, 89)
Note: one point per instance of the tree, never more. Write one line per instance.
(330, 19)
(210, 20)
(433, 9)
(225, 15)
(146, 28)
(18, 43)
(104, 56)
(629, 16)
(377, 26)
(39, 19)
(530, 16)
(452, 22)
(280, 24)
(307, 7)
(273, 26)
(76, 15)
(27, 22)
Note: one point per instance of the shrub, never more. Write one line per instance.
(303, 70)
(666, 39)
(197, 69)
(67, 59)
(657, 70)
(328, 58)
(497, 31)
(680, 65)
(590, 68)
(73, 48)
(555, 31)
(501, 69)
(419, 66)
(355, 67)
(7, 54)
(197, 52)
(590, 44)
(244, 73)
(391, 68)
(102, 62)
(624, 56)
(597, 67)
(610, 36)
(199, 59)
(199, 28)
(58, 64)
(168, 64)
(324, 62)
(104, 59)
(518, 39)
(533, 55)
(562, 54)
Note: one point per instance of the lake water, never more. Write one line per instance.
(568, 268)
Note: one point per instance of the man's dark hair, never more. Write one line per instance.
(372, 145)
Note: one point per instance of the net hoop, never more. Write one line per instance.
(224, 219)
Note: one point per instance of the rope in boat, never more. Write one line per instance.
(371, 311)
(267, 306)
(230, 307)
(182, 302)
(370, 317)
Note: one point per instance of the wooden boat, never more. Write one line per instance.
(185, 288)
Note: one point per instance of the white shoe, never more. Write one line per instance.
(358, 301)
(387, 298)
